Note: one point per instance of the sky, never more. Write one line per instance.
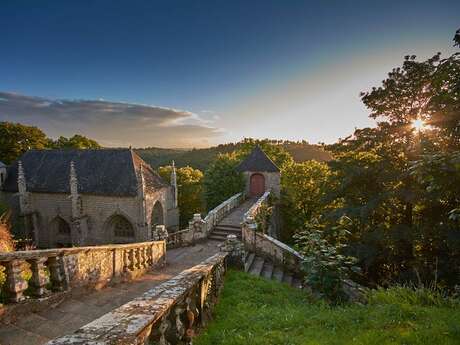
(199, 73)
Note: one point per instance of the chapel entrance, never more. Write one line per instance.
(257, 185)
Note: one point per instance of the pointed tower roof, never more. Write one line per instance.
(257, 161)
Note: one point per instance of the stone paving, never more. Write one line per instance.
(73, 313)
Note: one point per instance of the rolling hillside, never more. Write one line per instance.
(200, 158)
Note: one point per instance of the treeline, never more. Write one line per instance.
(201, 158)
(388, 204)
(16, 138)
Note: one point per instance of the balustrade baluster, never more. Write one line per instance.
(15, 283)
(39, 278)
(58, 273)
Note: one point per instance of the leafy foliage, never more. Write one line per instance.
(15, 139)
(303, 187)
(325, 268)
(398, 184)
(190, 191)
(75, 142)
(221, 180)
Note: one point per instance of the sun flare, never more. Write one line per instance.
(418, 124)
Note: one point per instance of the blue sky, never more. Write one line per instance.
(196, 73)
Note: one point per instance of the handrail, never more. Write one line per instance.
(200, 228)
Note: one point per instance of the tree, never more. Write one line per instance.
(190, 191)
(75, 142)
(304, 186)
(15, 139)
(221, 180)
(275, 151)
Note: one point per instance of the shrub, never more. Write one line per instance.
(325, 268)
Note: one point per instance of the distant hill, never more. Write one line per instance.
(200, 158)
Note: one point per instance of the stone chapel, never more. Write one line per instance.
(261, 173)
(88, 197)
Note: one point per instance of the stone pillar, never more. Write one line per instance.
(161, 233)
(39, 278)
(196, 227)
(144, 233)
(174, 185)
(58, 273)
(22, 190)
(236, 251)
(15, 283)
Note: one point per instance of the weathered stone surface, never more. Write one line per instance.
(134, 322)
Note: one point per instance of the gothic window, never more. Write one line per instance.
(157, 215)
(62, 227)
(122, 227)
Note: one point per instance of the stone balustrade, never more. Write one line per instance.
(63, 269)
(265, 245)
(199, 228)
(252, 212)
(170, 313)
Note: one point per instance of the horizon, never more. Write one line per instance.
(186, 75)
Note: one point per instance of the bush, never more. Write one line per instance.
(325, 268)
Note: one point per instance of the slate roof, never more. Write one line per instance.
(257, 161)
(111, 172)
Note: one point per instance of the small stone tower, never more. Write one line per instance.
(260, 173)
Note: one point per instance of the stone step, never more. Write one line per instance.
(229, 230)
(257, 266)
(248, 262)
(267, 270)
(228, 226)
(225, 233)
(278, 274)
(217, 237)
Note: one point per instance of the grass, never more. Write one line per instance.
(256, 311)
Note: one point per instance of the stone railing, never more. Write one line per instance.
(63, 269)
(254, 210)
(199, 228)
(265, 245)
(170, 313)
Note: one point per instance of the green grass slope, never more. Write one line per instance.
(256, 311)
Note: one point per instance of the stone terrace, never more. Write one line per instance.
(72, 313)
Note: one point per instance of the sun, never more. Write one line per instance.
(418, 125)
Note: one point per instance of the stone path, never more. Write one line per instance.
(73, 313)
(231, 224)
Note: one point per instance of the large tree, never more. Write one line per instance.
(190, 191)
(15, 139)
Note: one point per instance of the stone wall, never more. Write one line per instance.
(272, 181)
(97, 210)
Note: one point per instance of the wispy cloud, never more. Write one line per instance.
(111, 123)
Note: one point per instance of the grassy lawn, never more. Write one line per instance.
(256, 311)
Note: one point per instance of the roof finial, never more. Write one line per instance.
(73, 182)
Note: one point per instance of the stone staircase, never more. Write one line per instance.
(220, 232)
(231, 224)
(262, 267)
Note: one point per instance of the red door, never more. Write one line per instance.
(257, 185)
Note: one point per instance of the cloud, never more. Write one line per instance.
(110, 123)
